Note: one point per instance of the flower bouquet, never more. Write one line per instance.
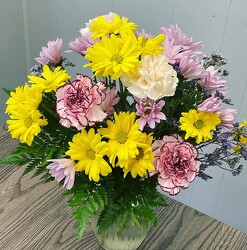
(143, 119)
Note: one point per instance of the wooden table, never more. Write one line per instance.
(34, 215)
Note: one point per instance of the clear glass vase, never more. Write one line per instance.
(130, 237)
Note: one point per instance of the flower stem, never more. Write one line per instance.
(122, 94)
(110, 82)
(43, 106)
(105, 79)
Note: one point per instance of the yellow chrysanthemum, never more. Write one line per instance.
(143, 160)
(89, 150)
(124, 135)
(112, 56)
(199, 124)
(235, 134)
(104, 25)
(23, 97)
(151, 46)
(243, 124)
(241, 138)
(50, 80)
(237, 149)
(25, 125)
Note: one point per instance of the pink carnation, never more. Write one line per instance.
(213, 82)
(78, 103)
(110, 101)
(51, 53)
(175, 162)
(63, 169)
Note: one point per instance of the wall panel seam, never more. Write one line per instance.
(226, 25)
(26, 35)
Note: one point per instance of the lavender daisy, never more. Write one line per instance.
(81, 44)
(63, 169)
(52, 53)
(190, 67)
(177, 37)
(149, 112)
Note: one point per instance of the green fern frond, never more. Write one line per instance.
(109, 216)
(88, 203)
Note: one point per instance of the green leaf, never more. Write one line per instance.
(83, 217)
(101, 197)
(47, 177)
(89, 200)
(77, 199)
(13, 158)
(154, 199)
(144, 216)
(43, 162)
(75, 203)
(108, 217)
(31, 166)
(48, 155)
(7, 91)
(39, 170)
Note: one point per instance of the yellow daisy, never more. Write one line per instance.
(50, 80)
(89, 150)
(240, 138)
(104, 25)
(25, 125)
(243, 139)
(124, 135)
(235, 134)
(243, 124)
(151, 46)
(143, 160)
(199, 124)
(25, 97)
(237, 149)
(113, 56)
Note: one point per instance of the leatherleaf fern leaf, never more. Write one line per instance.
(131, 201)
(45, 146)
(112, 214)
(50, 143)
(87, 198)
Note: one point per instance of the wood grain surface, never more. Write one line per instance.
(35, 215)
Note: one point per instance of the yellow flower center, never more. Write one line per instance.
(121, 137)
(90, 154)
(48, 83)
(28, 122)
(117, 58)
(199, 124)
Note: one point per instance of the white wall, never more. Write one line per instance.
(13, 68)
(27, 25)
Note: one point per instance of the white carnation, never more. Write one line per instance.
(156, 78)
